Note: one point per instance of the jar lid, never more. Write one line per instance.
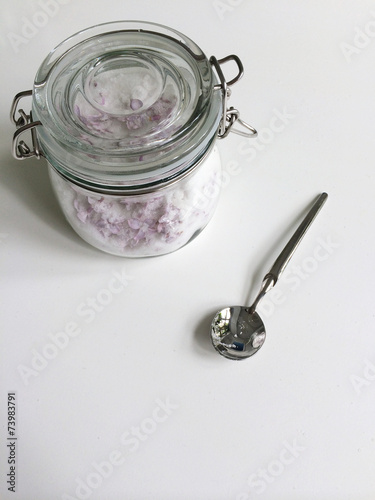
(126, 104)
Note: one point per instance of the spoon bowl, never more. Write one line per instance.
(236, 333)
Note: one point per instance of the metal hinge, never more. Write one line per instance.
(230, 116)
(24, 122)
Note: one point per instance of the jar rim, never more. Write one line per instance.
(139, 106)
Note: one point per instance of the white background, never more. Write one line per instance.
(296, 421)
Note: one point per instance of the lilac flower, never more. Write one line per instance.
(120, 126)
(143, 224)
(131, 222)
(134, 122)
(135, 104)
(83, 209)
(134, 223)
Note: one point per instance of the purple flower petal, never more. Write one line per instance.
(135, 104)
(134, 223)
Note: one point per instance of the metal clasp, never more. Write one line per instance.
(230, 116)
(24, 122)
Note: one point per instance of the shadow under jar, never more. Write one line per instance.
(127, 115)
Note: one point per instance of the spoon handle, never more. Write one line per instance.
(271, 278)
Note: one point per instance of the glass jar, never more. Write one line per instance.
(127, 115)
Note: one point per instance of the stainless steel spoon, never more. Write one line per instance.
(238, 332)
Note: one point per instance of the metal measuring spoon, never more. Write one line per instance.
(238, 332)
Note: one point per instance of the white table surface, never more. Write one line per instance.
(138, 405)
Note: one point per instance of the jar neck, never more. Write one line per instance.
(183, 171)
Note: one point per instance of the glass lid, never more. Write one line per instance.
(126, 103)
